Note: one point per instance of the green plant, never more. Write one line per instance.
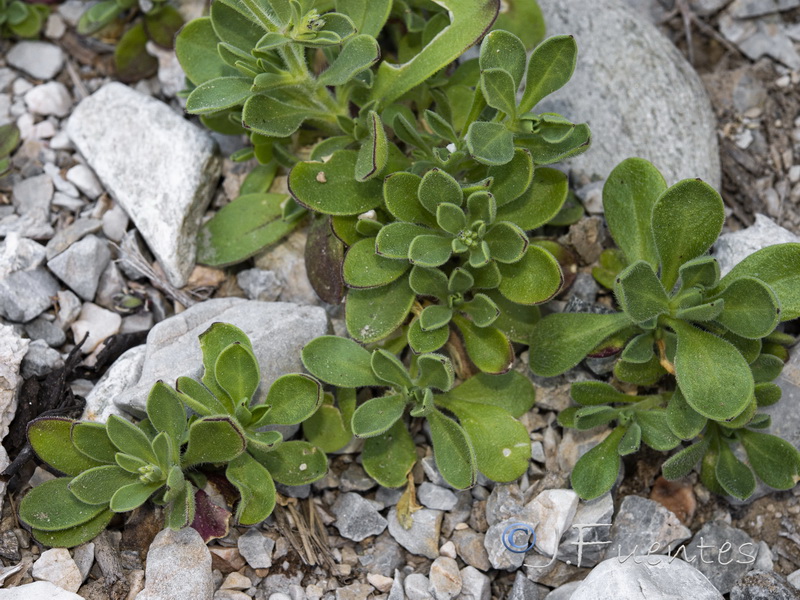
(485, 435)
(9, 138)
(117, 466)
(716, 336)
(154, 20)
(423, 167)
(22, 19)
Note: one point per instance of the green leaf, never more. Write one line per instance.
(714, 378)
(775, 461)
(390, 369)
(262, 442)
(130, 439)
(540, 203)
(550, 67)
(437, 187)
(199, 399)
(683, 420)
(291, 399)
(640, 349)
(132, 496)
(234, 24)
(166, 411)
(327, 429)
(481, 309)
(374, 153)
(339, 362)
(534, 279)
(50, 439)
(767, 394)
(426, 341)
(500, 90)
(560, 341)
(450, 218)
(272, 117)
(296, 463)
(435, 316)
(482, 208)
(369, 16)
(655, 431)
(751, 308)
(77, 535)
(330, 188)
(700, 272)
(629, 194)
(440, 126)
(364, 268)
(509, 181)
(596, 471)
(237, 372)
(181, 511)
(50, 506)
(402, 202)
(394, 240)
(681, 464)
(515, 320)
(98, 485)
(131, 58)
(469, 21)
(644, 374)
(487, 347)
(640, 293)
(429, 250)
(779, 267)
(212, 342)
(374, 314)
(243, 228)
(490, 143)
(255, 486)
(213, 440)
(218, 94)
(92, 440)
(631, 441)
(98, 16)
(162, 24)
(507, 242)
(501, 443)
(454, 454)
(596, 393)
(733, 475)
(687, 219)
(435, 371)
(388, 458)
(701, 313)
(512, 391)
(766, 367)
(594, 416)
(377, 416)
(503, 50)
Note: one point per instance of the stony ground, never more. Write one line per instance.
(97, 223)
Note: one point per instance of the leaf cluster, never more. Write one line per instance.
(117, 466)
(715, 335)
(22, 19)
(473, 426)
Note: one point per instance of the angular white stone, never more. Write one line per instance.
(158, 166)
(51, 98)
(178, 566)
(57, 566)
(38, 590)
(123, 374)
(731, 248)
(38, 59)
(12, 350)
(98, 322)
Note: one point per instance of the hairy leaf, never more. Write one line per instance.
(388, 458)
(596, 471)
(340, 362)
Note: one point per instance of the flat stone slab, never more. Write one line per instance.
(161, 168)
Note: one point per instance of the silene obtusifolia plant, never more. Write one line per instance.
(424, 176)
(22, 19)
(117, 466)
(714, 338)
(473, 426)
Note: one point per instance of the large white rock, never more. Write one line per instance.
(178, 566)
(123, 374)
(39, 590)
(158, 166)
(12, 350)
(277, 330)
(651, 578)
(732, 248)
(636, 91)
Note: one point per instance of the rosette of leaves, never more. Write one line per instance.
(473, 426)
(663, 421)
(154, 20)
(228, 389)
(21, 19)
(117, 466)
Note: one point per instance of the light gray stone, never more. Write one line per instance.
(277, 330)
(85, 180)
(644, 526)
(40, 360)
(57, 566)
(552, 512)
(470, 548)
(43, 329)
(418, 587)
(764, 558)
(38, 59)
(256, 548)
(436, 497)
(99, 323)
(286, 260)
(563, 592)
(25, 295)
(259, 284)
(731, 248)
(593, 518)
(763, 585)
(382, 556)
(722, 553)
(355, 479)
(120, 376)
(51, 98)
(445, 578)
(474, 585)
(357, 518)
(747, 9)
(81, 265)
(83, 556)
(495, 543)
(178, 566)
(38, 590)
(503, 503)
(115, 223)
(525, 589)
(423, 536)
(19, 254)
(652, 578)
(32, 197)
(632, 86)
(74, 232)
(398, 588)
(165, 176)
